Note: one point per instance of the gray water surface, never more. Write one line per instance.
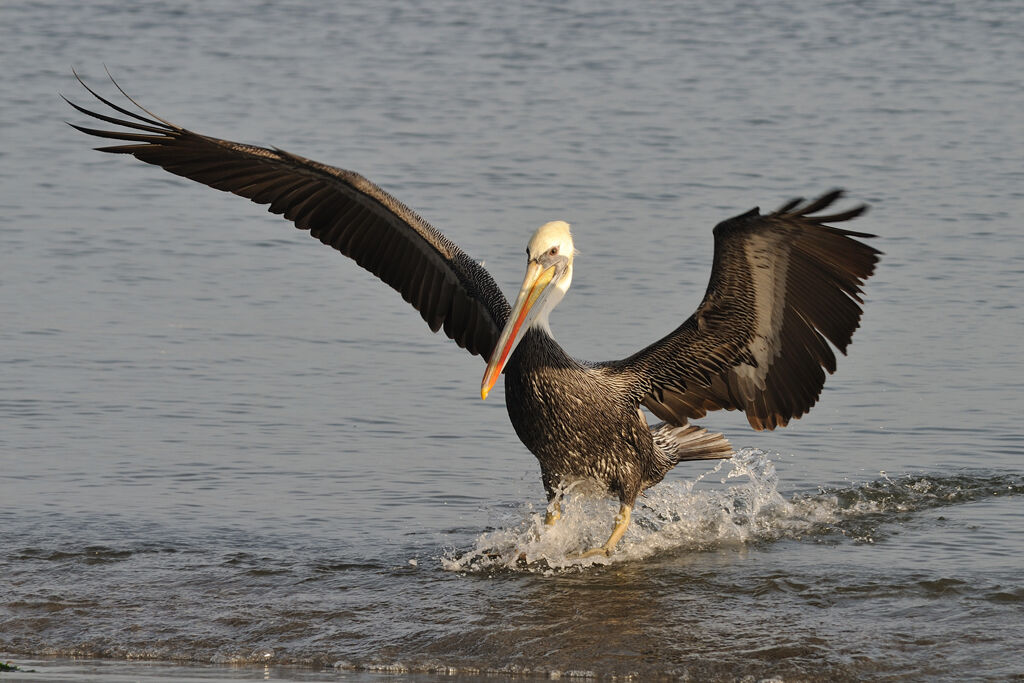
(222, 443)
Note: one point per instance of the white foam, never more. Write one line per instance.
(745, 508)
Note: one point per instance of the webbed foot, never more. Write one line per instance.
(553, 514)
(621, 524)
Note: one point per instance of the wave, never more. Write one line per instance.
(746, 509)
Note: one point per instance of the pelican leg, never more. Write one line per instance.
(554, 513)
(621, 524)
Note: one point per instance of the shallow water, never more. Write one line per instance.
(223, 445)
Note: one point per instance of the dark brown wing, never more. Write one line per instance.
(342, 209)
(782, 287)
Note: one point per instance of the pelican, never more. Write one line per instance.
(784, 286)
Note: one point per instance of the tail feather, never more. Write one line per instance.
(689, 442)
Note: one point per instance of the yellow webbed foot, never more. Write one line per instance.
(621, 524)
(553, 514)
(593, 552)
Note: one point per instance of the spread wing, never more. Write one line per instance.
(782, 287)
(341, 208)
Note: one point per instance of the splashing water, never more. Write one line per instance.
(747, 508)
(668, 517)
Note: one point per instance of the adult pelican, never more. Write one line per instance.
(783, 286)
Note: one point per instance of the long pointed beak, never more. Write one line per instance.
(536, 287)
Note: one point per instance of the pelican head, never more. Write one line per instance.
(548, 276)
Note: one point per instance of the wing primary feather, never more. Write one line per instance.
(783, 287)
(118, 122)
(122, 110)
(816, 205)
(790, 205)
(340, 208)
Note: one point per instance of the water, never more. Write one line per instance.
(223, 445)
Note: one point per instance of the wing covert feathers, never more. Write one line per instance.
(784, 286)
(341, 208)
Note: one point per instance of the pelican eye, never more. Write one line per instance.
(553, 251)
